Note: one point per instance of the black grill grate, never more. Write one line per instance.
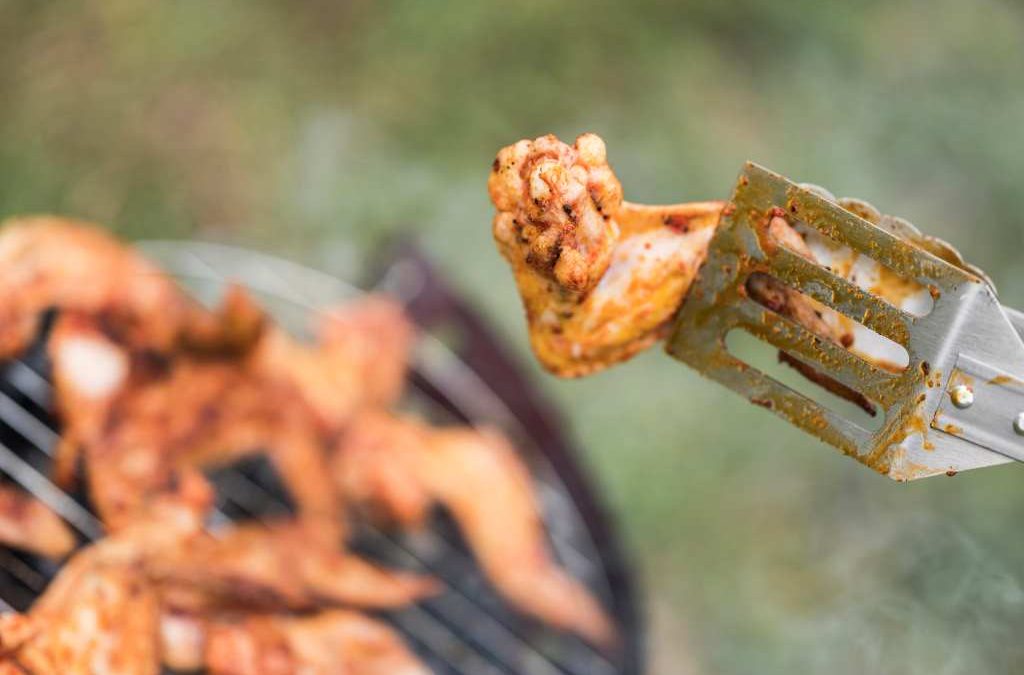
(467, 629)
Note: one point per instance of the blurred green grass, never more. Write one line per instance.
(310, 128)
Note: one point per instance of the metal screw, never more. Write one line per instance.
(1018, 424)
(962, 396)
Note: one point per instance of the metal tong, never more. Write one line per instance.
(957, 405)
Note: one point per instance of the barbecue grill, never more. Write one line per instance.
(461, 374)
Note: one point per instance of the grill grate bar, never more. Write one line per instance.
(22, 571)
(49, 494)
(27, 425)
(443, 646)
(32, 384)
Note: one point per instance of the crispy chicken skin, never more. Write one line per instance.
(557, 206)
(27, 524)
(337, 642)
(600, 278)
(400, 467)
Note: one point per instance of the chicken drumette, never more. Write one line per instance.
(600, 278)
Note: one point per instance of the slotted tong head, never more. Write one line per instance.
(957, 405)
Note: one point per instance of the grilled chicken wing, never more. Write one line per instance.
(281, 566)
(95, 618)
(599, 277)
(27, 524)
(359, 359)
(597, 294)
(141, 420)
(101, 612)
(401, 466)
(331, 643)
(52, 262)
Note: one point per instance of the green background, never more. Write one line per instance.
(309, 128)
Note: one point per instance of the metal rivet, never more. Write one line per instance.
(1018, 424)
(962, 396)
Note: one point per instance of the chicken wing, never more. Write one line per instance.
(140, 419)
(596, 295)
(359, 359)
(479, 478)
(53, 262)
(101, 612)
(331, 643)
(57, 263)
(27, 524)
(280, 566)
(96, 617)
(600, 278)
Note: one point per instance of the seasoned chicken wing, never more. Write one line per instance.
(359, 359)
(140, 419)
(99, 615)
(27, 524)
(94, 619)
(594, 295)
(280, 566)
(331, 643)
(400, 466)
(600, 278)
(102, 611)
(57, 263)
(51, 262)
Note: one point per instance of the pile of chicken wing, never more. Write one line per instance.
(152, 389)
